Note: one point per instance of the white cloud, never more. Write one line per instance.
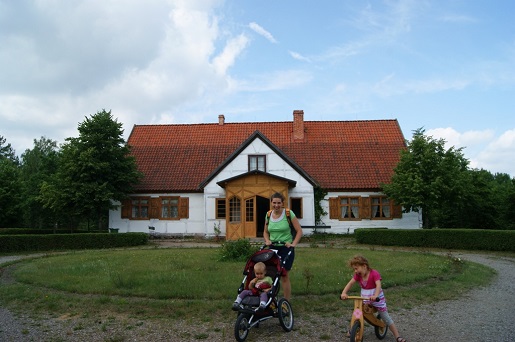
(499, 155)
(143, 61)
(298, 56)
(228, 56)
(483, 149)
(261, 31)
(469, 139)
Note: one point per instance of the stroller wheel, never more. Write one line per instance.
(241, 328)
(285, 313)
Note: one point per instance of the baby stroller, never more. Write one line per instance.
(249, 313)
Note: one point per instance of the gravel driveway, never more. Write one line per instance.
(483, 314)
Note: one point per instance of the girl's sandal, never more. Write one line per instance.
(401, 339)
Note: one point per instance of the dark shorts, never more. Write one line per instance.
(282, 251)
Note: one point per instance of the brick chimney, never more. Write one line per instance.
(221, 119)
(298, 125)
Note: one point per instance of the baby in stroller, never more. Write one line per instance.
(265, 268)
(255, 305)
(260, 285)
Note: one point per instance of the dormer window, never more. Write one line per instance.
(257, 162)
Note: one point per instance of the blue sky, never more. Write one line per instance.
(445, 66)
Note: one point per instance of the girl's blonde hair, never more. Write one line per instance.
(358, 260)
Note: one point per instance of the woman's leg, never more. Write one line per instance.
(286, 285)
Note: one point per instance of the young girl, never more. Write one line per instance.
(370, 282)
(257, 286)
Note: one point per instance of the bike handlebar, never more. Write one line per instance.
(361, 298)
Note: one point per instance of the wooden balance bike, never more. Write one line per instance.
(361, 314)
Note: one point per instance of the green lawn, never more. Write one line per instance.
(150, 282)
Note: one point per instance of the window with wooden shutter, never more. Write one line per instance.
(334, 210)
(170, 208)
(140, 208)
(397, 211)
(365, 207)
(184, 207)
(349, 208)
(154, 208)
(381, 208)
(126, 209)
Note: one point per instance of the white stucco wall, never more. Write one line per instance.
(202, 206)
(239, 165)
(193, 225)
(410, 220)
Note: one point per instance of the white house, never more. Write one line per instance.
(201, 176)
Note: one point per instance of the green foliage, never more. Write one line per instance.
(51, 242)
(37, 166)
(319, 210)
(10, 193)
(10, 189)
(467, 239)
(95, 169)
(238, 250)
(18, 231)
(7, 152)
(429, 178)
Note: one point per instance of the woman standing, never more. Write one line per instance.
(277, 232)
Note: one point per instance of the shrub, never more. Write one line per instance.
(238, 250)
(48, 242)
(469, 239)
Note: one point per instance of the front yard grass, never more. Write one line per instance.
(191, 284)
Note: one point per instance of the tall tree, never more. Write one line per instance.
(503, 195)
(10, 197)
(429, 178)
(6, 151)
(95, 169)
(38, 165)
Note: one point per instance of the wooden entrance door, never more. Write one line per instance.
(245, 204)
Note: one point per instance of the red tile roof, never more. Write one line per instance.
(339, 155)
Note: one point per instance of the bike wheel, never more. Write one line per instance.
(380, 331)
(356, 335)
(241, 328)
(285, 313)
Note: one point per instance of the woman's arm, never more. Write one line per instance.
(298, 229)
(266, 235)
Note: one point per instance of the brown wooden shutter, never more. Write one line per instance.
(155, 204)
(184, 207)
(397, 211)
(365, 207)
(126, 209)
(334, 212)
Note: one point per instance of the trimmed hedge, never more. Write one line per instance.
(51, 242)
(19, 231)
(470, 239)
